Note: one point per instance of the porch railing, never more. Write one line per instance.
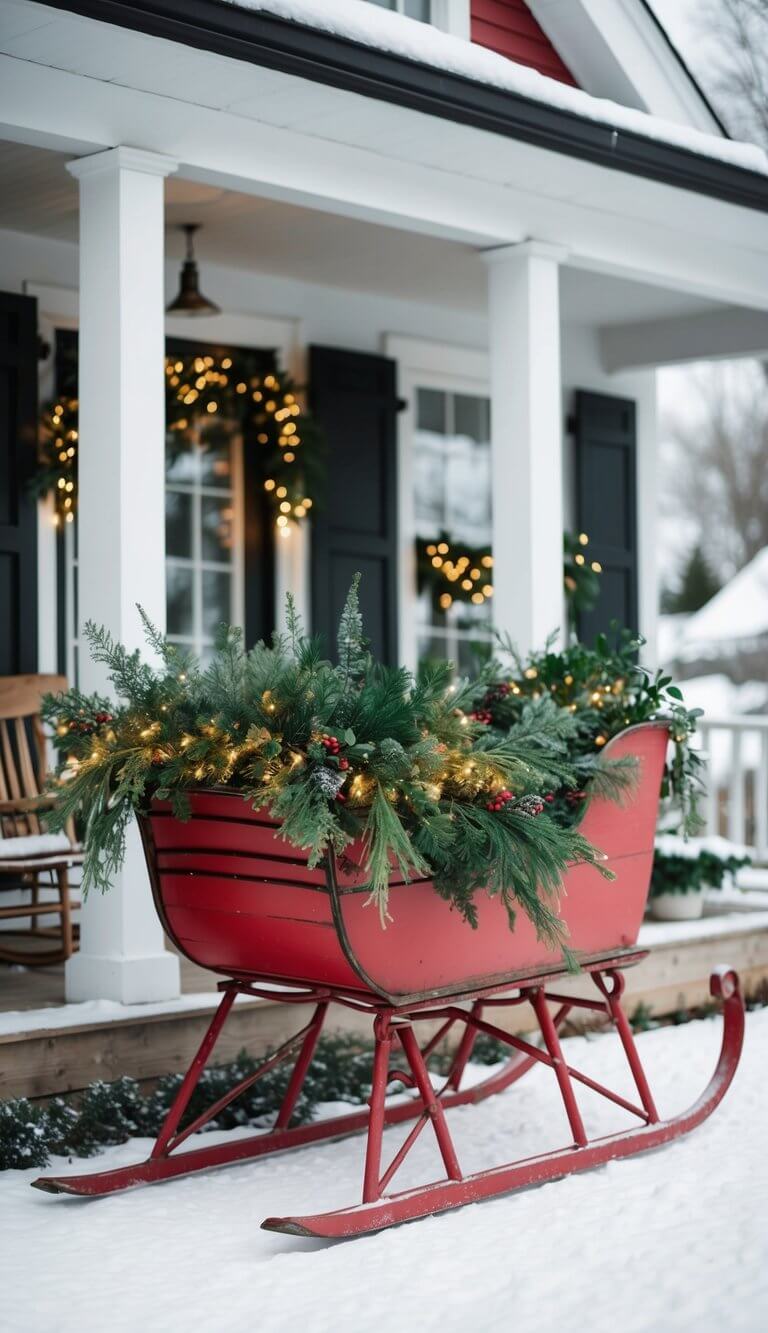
(736, 804)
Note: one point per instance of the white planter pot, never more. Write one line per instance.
(678, 906)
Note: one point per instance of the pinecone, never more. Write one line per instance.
(528, 805)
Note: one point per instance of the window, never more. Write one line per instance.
(451, 471)
(413, 9)
(203, 524)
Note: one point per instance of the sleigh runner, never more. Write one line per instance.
(236, 898)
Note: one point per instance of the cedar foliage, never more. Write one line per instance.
(337, 754)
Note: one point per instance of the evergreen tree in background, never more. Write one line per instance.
(698, 584)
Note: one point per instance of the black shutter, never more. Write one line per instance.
(606, 506)
(18, 507)
(355, 528)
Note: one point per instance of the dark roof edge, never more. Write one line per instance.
(292, 48)
(683, 63)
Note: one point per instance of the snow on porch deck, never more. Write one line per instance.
(676, 1240)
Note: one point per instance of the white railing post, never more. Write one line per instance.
(736, 791)
(761, 801)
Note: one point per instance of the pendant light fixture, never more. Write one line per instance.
(190, 300)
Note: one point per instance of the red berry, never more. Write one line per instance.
(549, 798)
(343, 765)
(340, 797)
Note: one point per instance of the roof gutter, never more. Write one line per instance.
(292, 48)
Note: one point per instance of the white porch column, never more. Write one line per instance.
(526, 440)
(121, 519)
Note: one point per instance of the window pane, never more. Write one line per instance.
(217, 600)
(452, 503)
(178, 592)
(216, 463)
(417, 9)
(178, 524)
(430, 410)
(181, 461)
(452, 472)
(472, 417)
(217, 529)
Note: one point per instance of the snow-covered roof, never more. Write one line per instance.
(738, 611)
(384, 30)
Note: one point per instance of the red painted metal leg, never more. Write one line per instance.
(613, 994)
(465, 1047)
(192, 1076)
(383, 1037)
(562, 1074)
(299, 1074)
(431, 1103)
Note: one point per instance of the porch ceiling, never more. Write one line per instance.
(243, 231)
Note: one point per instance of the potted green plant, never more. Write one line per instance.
(684, 869)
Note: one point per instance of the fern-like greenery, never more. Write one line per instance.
(354, 752)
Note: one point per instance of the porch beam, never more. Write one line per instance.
(728, 332)
(526, 440)
(121, 518)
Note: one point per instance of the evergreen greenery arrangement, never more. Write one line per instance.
(335, 753)
(690, 868)
(603, 689)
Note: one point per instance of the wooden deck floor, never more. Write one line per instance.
(43, 987)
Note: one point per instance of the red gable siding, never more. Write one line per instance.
(508, 26)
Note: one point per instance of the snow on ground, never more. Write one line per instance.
(675, 1240)
(374, 26)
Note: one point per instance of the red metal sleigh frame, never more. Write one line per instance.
(235, 898)
(392, 1025)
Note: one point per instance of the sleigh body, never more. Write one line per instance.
(236, 898)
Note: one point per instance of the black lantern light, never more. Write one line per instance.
(190, 300)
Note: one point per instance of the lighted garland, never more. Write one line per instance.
(464, 575)
(604, 690)
(204, 388)
(454, 574)
(57, 457)
(289, 441)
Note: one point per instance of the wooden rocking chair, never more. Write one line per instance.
(30, 858)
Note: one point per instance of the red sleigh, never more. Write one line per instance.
(238, 899)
